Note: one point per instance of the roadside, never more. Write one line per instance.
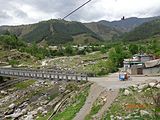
(94, 92)
(111, 85)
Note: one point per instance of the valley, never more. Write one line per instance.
(98, 50)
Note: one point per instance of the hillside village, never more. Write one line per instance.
(142, 64)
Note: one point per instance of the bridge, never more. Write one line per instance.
(43, 74)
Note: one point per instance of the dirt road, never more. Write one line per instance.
(112, 82)
(95, 91)
(108, 83)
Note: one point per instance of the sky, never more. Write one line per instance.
(16, 12)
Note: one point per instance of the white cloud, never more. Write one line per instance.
(30, 11)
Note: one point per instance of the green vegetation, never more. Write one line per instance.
(52, 31)
(143, 31)
(94, 110)
(132, 104)
(70, 112)
(25, 84)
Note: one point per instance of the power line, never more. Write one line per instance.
(77, 9)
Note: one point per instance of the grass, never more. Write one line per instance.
(93, 111)
(70, 112)
(118, 108)
(25, 84)
(44, 117)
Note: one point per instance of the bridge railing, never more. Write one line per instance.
(43, 74)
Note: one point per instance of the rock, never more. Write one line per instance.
(29, 117)
(152, 84)
(44, 102)
(128, 117)
(40, 109)
(105, 99)
(14, 115)
(24, 111)
(126, 92)
(158, 86)
(141, 87)
(44, 112)
(52, 83)
(11, 106)
(23, 105)
(119, 118)
(34, 112)
(135, 86)
(18, 110)
(10, 111)
(4, 92)
(116, 100)
(143, 112)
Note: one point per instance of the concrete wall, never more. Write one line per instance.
(151, 71)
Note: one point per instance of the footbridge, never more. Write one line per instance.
(43, 74)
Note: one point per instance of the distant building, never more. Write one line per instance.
(152, 67)
(142, 64)
(53, 47)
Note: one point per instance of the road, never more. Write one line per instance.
(111, 84)
(111, 81)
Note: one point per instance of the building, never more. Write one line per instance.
(152, 67)
(142, 64)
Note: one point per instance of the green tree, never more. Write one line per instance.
(69, 50)
(133, 48)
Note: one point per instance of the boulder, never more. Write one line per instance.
(4, 92)
(141, 87)
(143, 112)
(24, 111)
(11, 106)
(44, 112)
(152, 84)
(29, 117)
(126, 92)
(10, 111)
(40, 109)
(14, 115)
(119, 118)
(34, 112)
(158, 86)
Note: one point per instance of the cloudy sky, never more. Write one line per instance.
(14, 12)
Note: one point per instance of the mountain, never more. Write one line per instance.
(61, 31)
(127, 24)
(107, 33)
(110, 30)
(144, 31)
(52, 31)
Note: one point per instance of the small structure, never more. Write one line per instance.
(142, 64)
(152, 67)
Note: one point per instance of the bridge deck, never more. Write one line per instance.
(42, 74)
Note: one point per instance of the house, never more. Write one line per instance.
(142, 64)
(143, 57)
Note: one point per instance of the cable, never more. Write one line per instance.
(76, 9)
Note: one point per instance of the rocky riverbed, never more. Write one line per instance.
(28, 99)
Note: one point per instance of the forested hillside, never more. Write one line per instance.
(144, 31)
(52, 31)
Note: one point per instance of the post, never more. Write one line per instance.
(66, 77)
